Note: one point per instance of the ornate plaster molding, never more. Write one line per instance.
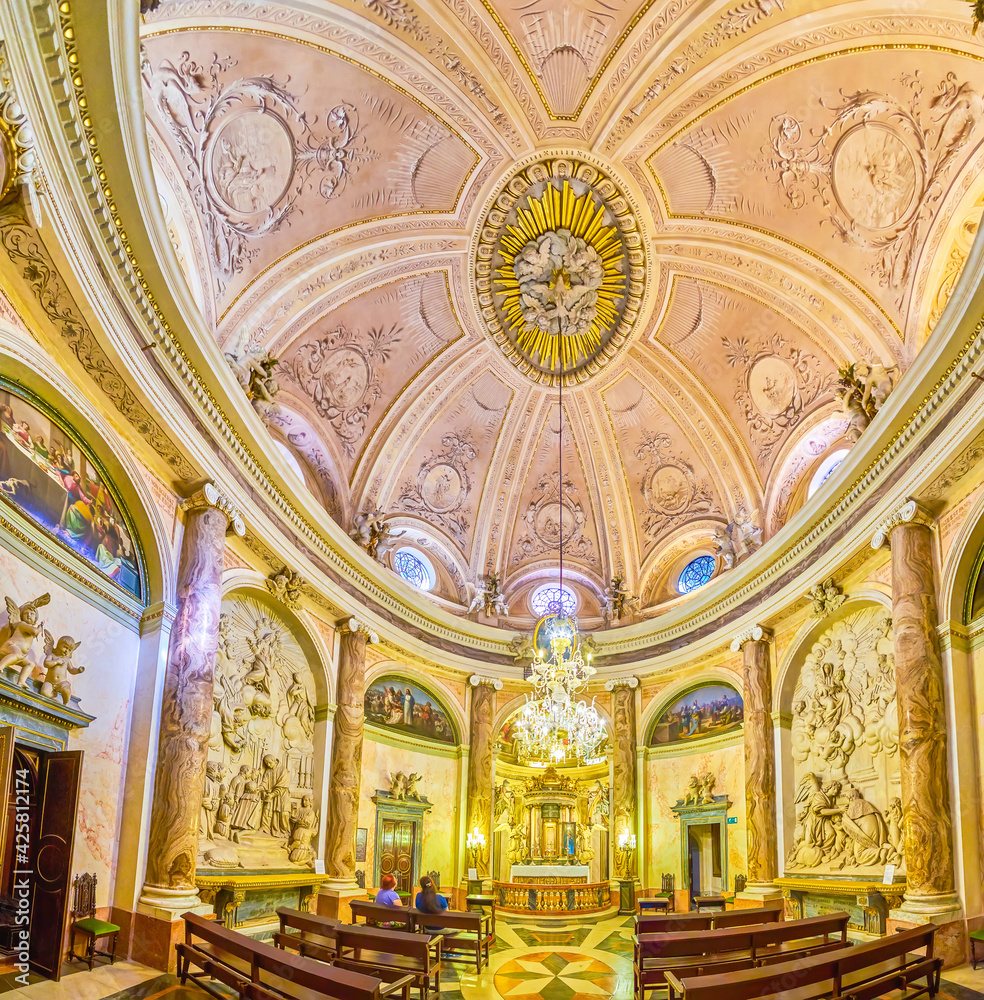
(18, 137)
(755, 633)
(210, 496)
(909, 512)
(476, 680)
(354, 625)
(614, 682)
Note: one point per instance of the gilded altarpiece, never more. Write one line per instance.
(846, 772)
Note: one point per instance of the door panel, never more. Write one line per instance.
(58, 798)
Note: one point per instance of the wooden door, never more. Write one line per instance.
(396, 852)
(58, 798)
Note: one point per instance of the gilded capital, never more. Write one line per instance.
(755, 633)
(354, 625)
(210, 496)
(478, 679)
(614, 682)
(909, 512)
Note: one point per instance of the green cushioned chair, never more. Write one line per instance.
(85, 922)
(975, 936)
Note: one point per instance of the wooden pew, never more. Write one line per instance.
(658, 923)
(381, 950)
(692, 953)
(374, 914)
(212, 953)
(467, 933)
(863, 972)
(306, 933)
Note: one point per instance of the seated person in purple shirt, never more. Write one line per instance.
(387, 895)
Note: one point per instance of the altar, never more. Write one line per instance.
(549, 874)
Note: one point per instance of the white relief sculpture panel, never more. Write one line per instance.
(845, 750)
(258, 806)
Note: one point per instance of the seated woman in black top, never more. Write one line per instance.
(429, 900)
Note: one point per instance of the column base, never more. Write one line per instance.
(758, 894)
(946, 913)
(334, 901)
(167, 904)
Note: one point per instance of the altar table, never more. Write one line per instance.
(549, 874)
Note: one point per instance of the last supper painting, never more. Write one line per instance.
(47, 474)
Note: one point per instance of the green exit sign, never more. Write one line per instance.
(732, 819)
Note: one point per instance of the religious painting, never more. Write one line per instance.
(396, 704)
(57, 483)
(708, 710)
(361, 839)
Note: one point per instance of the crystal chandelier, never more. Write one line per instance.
(552, 726)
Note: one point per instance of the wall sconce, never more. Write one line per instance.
(626, 841)
(475, 842)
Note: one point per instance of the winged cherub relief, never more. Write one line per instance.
(25, 626)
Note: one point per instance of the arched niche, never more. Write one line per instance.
(265, 748)
(450, 729)
(30, 373)
(839, 771)
(962, 576)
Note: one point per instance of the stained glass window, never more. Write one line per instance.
(553, 600)
(415, 568)
(695, 574)
(827, 468)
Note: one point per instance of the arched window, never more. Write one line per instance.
(553, 600)
(695, 574)
(290, 457)
(827, 468)
(415, 568)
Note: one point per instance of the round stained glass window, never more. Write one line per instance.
(695, 574)
(415, 568)
(827, 468)
(553, 600)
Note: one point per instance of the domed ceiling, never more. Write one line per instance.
(648, 233)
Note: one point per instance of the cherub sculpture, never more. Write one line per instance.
(398, 786)
(706, 790)
(286, 587)
(618, 601)
(878, 384)
(253, 368)
(488, 598)
(371, 531)
(693, 792)
(58, 664)
(24, 629)
(410, 789)
(826, 598)
(724, 545)
(523, 648)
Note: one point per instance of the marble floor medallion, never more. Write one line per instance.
(556, 975)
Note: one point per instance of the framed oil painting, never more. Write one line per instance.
(57, 482)
(709, 710)
(396, 704)
(361, 839)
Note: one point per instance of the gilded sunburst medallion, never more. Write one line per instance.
(560, 269)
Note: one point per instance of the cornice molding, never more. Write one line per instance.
(910, 512)
(755, 633)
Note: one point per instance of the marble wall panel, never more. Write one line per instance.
(440, 783)
(666, 780)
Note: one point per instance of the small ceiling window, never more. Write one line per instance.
(553, 600)
(415, 568)
(695, 574)
(827, 468)
(291, 458)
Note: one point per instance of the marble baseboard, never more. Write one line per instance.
(153, 940)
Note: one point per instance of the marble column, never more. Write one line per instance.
(624, 741)
(345, 773)
(760, 763)
(186, 703)
(479, 816)
(926, 819)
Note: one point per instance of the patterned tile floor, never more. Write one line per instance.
(575, 962)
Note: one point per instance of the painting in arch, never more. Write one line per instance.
(708, 710)
(52, 477)
(399, 705)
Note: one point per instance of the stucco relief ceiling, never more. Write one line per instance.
(416, 205)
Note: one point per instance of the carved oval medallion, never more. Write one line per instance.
(549, 519)
(250, 162)
(772, 385)
(441, 488)
(670, 490)
(560, 269)
(876, 176)
(345, 377)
